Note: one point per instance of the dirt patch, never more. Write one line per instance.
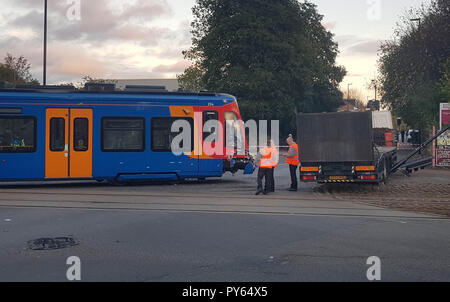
(426, 191)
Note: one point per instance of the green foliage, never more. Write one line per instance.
(192, 79)
(414, 67)
(445, 83)
(16, 71)
(273, 55)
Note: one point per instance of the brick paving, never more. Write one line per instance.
(426, 191)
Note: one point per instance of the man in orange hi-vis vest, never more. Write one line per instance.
(265, 167)
(293, 159)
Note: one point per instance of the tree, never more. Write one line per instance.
(274, 55)
(16, 71)
(192, 79)
(414, 66)
(445, 82)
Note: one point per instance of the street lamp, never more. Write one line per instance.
(416, 20)
(44, 80)
(374, 83)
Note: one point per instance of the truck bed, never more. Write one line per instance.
(335, 137)
(340, 148)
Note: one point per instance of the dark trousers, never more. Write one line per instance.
(293, 170)
(264, 173)
(272, 181)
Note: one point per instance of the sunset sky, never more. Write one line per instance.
(144, 38)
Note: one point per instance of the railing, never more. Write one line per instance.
(419, 149)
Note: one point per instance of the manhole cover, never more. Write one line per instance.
(52, 243)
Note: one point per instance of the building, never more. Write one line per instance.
(170, 84)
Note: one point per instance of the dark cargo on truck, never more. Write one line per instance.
(340, 148)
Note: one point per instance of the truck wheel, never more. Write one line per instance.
(384, 176)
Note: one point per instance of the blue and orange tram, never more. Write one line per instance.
(118, 136)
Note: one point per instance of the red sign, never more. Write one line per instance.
(445, 114)
(443, 142)
(445, 117)
(443, 156)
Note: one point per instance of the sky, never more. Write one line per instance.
(141, 39)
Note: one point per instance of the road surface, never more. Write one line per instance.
(216, 230)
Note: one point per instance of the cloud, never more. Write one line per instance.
(143, 34)
(178, 67)
(101, 20)
(351, 45)
(29, 4)
(33, 19)
(370, 47)
(71, 61)
(348, 40)
(143, 10)
(113, 39)
(10, 42)
(330, 25)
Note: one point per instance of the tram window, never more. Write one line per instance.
(162, 135)
(123, 134)
(57, 134)
(233, 133)
(81, 134)
(231, 123)
(208, 116)
(17, 134)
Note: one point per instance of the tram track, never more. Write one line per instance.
(178, 204)
(269, 207)
(419, 216)
(222, 197)
(328, 196)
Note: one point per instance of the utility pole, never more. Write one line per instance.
(44, 81)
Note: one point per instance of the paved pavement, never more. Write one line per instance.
(215, 230)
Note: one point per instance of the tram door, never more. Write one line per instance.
(68, 143)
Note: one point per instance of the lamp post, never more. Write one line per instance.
(44, 80)
(416, 20)
(374, 83)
